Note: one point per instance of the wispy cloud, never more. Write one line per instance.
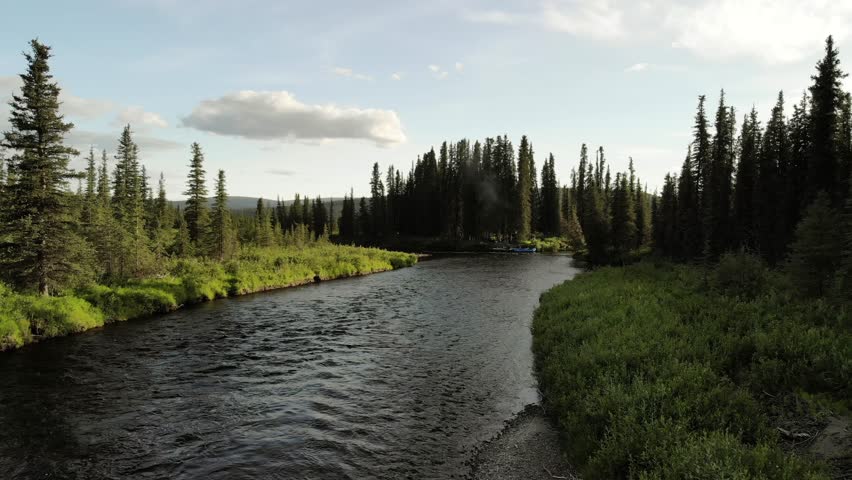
(459, 66)
(438, 72)
(140, 119)
(772, 32)
(396, 76)
(82, 139)
(599, 19)
(278, 115)
(280, 172)
(492, 16)
(776, 32)
(637, 67)
(348, 72)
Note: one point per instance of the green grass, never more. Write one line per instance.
(653, 371)
(26, 318)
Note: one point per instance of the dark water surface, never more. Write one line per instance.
(393, 375)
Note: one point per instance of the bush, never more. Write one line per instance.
(653, 376)
(741, 275)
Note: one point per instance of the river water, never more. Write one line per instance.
(394, 375)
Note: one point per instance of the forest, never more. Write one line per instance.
(725, 352)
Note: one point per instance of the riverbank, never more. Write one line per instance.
(527, 449)
(663, 371)
(26, 319)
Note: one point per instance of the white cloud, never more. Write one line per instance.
(598, 19)
(396, 76)
(637, 67)
(277, 115)
(438, 72)
(72, 105)
(87, 108)
(139, 119)
(770, 31)
(82, 139)
(8, 85)
(774, 32)
(492, 16)
(459, 66)
(348, 72)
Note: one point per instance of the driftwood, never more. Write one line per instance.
(793, 435)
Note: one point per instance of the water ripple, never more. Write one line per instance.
(397, 375)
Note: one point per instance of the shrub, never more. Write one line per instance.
(651, 375)
(740, 275)
(189, 280)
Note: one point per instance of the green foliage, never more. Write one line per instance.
(740, 274)
(817, 249)
(548, 245)
(24, 318)
(652, 375)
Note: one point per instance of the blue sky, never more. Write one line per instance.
(304, 96)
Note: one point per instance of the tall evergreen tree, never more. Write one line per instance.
(824, 162)
(196, 214)
(89, 203)
(772, 163)
(222, 239)
(689, 224)
(524, 190)
(623, 218)
(377, 202)
(746, 184)
(40, 248)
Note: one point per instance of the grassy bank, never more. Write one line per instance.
(656, 371)
(27, 318)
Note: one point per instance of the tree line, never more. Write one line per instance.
(474, 191)
(780, 191)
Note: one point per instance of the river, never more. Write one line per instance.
(394, 375)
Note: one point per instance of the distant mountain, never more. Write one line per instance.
(250, 203)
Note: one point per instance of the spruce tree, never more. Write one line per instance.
(623, 218)
(377, 201)
(41, 249)
(689, 226)
(772, 160)
(89, 199)
(222, 240)
(524, 190)
(816, 249)
(824, 163)
(197, 219)
(745, 193)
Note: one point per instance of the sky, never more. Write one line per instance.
(303, 97)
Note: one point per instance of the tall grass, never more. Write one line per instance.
(26, 318)
(658, 371)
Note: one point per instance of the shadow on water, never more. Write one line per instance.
(387, 376)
